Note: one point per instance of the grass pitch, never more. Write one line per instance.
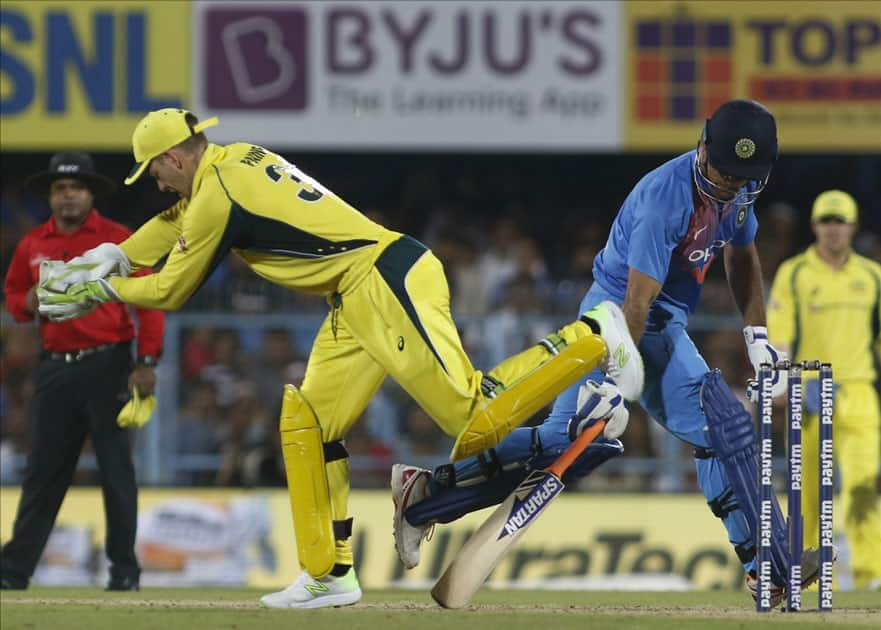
(193, 609)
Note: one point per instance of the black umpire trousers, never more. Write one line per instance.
(73, 400)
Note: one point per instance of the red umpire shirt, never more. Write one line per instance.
(110, 322)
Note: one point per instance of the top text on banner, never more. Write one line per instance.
(818, 71)
(81, 74)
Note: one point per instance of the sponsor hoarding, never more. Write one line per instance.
(190, 536)
(816, 68)
(418, 75)
(475, 76)
(81, 74)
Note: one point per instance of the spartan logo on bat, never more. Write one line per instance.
(539, 489)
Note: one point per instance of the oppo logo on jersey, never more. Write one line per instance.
(702, 258)
(706, 255)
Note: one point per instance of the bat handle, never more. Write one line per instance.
(575, 449)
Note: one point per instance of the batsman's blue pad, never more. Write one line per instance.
(733, 439)
(448, 504)
(723, 503)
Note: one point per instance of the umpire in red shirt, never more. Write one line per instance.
(84, 379)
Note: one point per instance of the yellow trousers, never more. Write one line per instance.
(397, 322)
(856, 440)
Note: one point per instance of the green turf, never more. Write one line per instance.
(192, 609)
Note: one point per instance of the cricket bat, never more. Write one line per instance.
(486, 547)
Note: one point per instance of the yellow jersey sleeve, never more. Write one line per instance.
(287, 227)
(155, 238)
(199, 246)
(876, 323)
(878, 328)
(781, 313)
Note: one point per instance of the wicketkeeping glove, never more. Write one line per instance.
(76, 301)
(100, 262)
(761, 351)
(595, 402)
(64, 312)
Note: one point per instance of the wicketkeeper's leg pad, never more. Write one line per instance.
(496, 416)
(454, 497)
(305, 455)
(733, 441)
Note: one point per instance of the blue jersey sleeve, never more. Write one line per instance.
(655, 232)
(746, 233)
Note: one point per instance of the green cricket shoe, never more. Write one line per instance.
(308, 592)
(623, 363)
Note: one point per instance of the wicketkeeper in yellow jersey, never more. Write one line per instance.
(826, 304)
(389, 315)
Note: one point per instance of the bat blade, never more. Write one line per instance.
(486, 547)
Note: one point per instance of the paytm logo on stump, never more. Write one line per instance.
(257, 58)
(682, 68)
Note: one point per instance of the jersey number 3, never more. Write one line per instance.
(310, 190)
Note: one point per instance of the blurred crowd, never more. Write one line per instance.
(514, 274)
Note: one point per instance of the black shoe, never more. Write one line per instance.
(8, 583)
(123, 584)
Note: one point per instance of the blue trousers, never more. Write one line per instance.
(674, 373)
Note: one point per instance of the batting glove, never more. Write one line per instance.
(761, 351)
(598, 401)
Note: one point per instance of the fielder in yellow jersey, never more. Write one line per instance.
(389, 315)
(826, 304)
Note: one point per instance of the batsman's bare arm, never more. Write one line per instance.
(744, 272)
(642, 291)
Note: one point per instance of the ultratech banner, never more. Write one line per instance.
(423, 75)
(81, 74)
(191, 537)
(817, 70)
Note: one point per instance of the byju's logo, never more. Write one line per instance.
(682, 68)
(257, 59)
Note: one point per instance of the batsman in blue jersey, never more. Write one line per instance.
(675, 222)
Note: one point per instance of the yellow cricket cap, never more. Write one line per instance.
(157, 132)
(834, 204)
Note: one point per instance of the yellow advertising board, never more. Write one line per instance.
(188, 537)
(81, 74)
(816, 66)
